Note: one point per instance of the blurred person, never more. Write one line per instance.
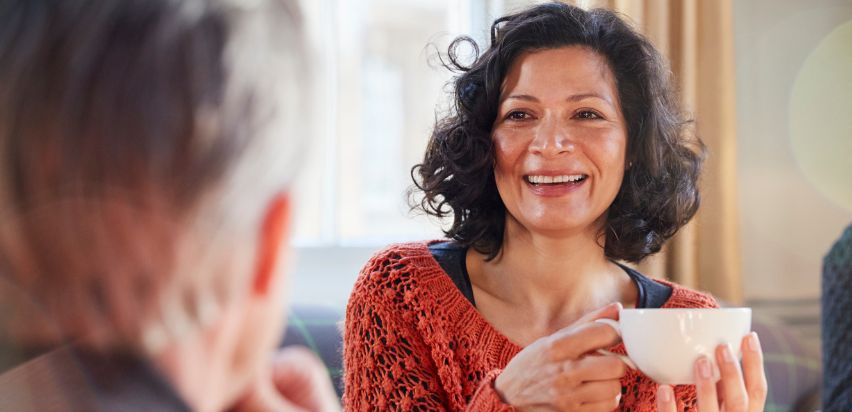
(566, 152)
(836, 330)
(147, 148)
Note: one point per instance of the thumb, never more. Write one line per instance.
(301, 377)
(584, 335)
(609, 311)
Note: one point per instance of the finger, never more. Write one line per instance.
(261, 395)
(586, 395)
(609, 311)
(596, 368)
(301, 377)
(607, 405)
(755, 377)
(731, 387)
(296, 365)
(578, 340)
(600, 391)
(705, 385)
(665, 399)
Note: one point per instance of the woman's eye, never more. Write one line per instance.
(517, 115)
(588, 115)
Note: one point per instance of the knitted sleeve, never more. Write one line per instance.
(387, 362)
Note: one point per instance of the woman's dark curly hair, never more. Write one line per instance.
(659, 193)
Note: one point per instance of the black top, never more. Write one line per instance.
(451, 256)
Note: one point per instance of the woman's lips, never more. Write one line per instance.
(554, 186)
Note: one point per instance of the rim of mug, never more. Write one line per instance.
(670, 310)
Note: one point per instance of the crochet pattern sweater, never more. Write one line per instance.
(412, 341)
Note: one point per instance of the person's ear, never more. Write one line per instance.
(274, 231)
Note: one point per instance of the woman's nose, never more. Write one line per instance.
(552, 138)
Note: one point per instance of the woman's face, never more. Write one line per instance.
(560, 140)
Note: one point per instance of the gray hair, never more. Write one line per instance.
(140, 141)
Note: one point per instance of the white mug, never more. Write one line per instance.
(665, 343)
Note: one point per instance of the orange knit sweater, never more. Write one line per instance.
(413, 342)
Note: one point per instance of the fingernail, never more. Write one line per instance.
(753, 342)
(704, 368)
(665, 393)
(618, 398)
(728, 353)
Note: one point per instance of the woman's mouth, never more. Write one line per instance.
(540, 180)
(555, 186)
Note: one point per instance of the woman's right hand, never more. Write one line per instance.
(561, 371)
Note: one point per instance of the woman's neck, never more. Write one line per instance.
(555, 277)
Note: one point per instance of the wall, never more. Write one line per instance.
(794, 108)
(787, 222)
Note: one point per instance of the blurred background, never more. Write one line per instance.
(767, 82)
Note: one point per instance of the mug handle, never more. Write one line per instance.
(614, 324)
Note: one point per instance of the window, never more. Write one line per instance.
(378, 85)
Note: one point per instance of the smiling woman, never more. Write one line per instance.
(456, 176)
(566, 153)
(559, 150)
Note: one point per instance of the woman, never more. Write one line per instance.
(566, 153)
(147, 152)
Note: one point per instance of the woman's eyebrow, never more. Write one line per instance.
(572, 98)
(592, 95)
(524, 97)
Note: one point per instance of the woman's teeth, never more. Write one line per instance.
(536, 180)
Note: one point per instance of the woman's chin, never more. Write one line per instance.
(558, 227)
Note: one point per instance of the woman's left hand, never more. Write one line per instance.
(739, 390)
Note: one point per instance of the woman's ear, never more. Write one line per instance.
(274, 232)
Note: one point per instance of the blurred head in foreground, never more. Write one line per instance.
(146, 150)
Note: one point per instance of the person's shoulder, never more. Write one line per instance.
(398, 256)
(395, 282)
(684, 297)
(391, 270)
